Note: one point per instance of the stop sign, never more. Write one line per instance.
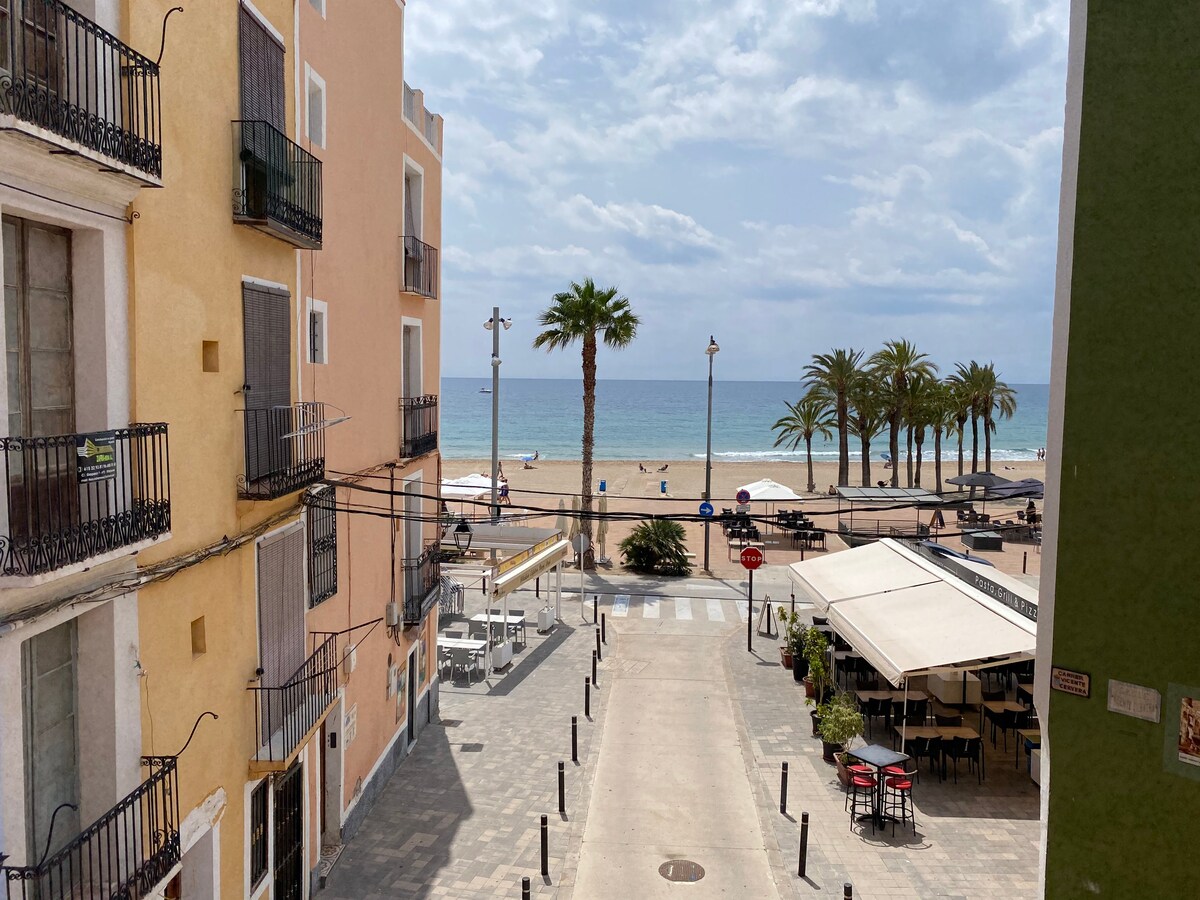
(752, 558)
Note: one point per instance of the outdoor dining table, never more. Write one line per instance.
(878, 757)
(460, 643)
(945, 732)
(499, 622)
(999, 707)
(1030, 736)
(1025, 694)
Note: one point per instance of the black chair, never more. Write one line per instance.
(947, 721)
(1009, 720)
(916, 712)
(970, 749)
(876, 709)
(993, 695)
(925, 748)
(897, 797)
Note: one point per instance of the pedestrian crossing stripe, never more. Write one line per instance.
(650, 608)
(620, 605)
(715, 611)
(743, 610)
(683, 607)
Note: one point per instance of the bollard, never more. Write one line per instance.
(595, 679)
(562, 788)
(604, 627)
(546, 848)
(847, 891)
(575, 739)
(587, 697)
(803, 843)
(599, 652)
(783, 791)
(595, 608)
(525, 888)
(1024, 562)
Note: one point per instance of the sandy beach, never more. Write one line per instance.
(630, 491)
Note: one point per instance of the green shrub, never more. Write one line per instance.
(657, 547)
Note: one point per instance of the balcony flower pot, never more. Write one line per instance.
(828, 750)
(841, 723)
(842, 771)
(799, 668)
(816, 720)
(785, 656)
(810, 689)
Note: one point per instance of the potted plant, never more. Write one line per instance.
(790, 628)
(816, 647)
(841, 723)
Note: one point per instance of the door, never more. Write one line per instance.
(414, 678)
(263, 148)
(43, 483)
(289, 835)
(414, 577)
(51, 739)
(266, 312)
(280, 623)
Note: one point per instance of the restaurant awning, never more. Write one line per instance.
(770, 491)
(905, 496)
(907, 615)
(469, 487)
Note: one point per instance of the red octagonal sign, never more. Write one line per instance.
(752, 558)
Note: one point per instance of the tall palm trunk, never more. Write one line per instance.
(919, 437)
(937, 459)
(589, 439)
(812, 485)
(908, 456)
(866, 460)
(894, 445)
(974, 442)
(960, 452)
(843, 430)
(988, 425)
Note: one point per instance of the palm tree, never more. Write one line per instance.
(995, 397)
(968, 381)
(894, 366)
(585, 314)
(806, 418)
(866, 419)
(959, 411)
(921, 414)
(835, 374)
(942, 418)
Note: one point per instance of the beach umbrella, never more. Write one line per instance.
(985, 480)
(886, 455)
(602, 525)
(561, 522)
(573, 523)
(1026, 487)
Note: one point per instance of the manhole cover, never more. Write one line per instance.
(681, 870)
(450, 723)
(472, 748)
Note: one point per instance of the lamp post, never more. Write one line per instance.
(491, 325)
(712, 351)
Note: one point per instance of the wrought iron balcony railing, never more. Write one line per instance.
(285, 450)
(420, 268)
(75, 496)
(285, 714)
(276, 184)
(62, 73)
(418, 425)
(421, 585)
(125, 853)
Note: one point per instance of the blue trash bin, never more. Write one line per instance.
(662, 487)
(603, 485)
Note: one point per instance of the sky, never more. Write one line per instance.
(790, 176)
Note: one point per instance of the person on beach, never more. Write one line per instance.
(663, 467)
(503, 499)
(536, 454)
(641, 468)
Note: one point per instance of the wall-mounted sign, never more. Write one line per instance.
(1134, 700)
(1026, 607)
(97, 456)
(1069, 682)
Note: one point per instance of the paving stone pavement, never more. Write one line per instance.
(460, 822)
(463, 824)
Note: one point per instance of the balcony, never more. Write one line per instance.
(277, 185)
(421, 583)
(427, 124)
(285, 450)
(67, 82)
(420, 268)
(73, 497)
(127, 852)
(418, 425)
(286, 715)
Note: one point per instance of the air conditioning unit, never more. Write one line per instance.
(350, 661)
(392, 615)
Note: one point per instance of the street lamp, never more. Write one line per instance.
(711, 352)
(490, 325)
(462, 536)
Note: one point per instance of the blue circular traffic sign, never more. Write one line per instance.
(706, 509)
(743, 496)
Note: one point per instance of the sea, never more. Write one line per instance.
(665, 420)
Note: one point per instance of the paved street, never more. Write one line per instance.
(681, 759)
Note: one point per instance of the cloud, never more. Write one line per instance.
(819, 172)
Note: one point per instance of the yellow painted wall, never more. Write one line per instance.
(187, 259)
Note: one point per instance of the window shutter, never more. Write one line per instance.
(281, 605)
(322, 548)
(410, 221)
(268, 353)
(261, 58)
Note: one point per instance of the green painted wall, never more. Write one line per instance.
(1120, 824)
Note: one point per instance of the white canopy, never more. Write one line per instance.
(469, 487)
(771, 491)
(906, 615)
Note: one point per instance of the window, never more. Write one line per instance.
(322, 548)
(260, 57)
(268, 386)
(316, 106)
(319, 6)
(318, 339)
(258, 833)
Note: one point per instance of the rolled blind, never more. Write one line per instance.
(268, 346)
(281, 605)
(261, 58)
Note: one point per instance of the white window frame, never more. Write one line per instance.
(311, 80)
(319, 6)
(321, 308)
(415, 171)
